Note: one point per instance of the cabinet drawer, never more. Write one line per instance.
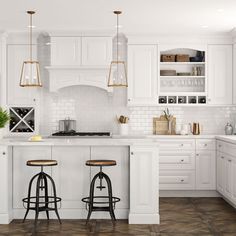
(177, 160)
(205, 144)
(227, 148)
(176, 144)
(177, 180)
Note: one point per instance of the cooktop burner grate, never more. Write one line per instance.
(84, 134)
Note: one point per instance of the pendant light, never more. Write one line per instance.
(30, 76)
(117, 73)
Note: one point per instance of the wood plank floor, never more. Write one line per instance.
(179, 217)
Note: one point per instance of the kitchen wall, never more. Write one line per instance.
(94, 110)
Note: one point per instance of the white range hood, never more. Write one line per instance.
(66, 76)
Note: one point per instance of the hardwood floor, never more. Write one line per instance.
(179, 217)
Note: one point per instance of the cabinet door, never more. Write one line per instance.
(144, 180)
(96, 51)
(220, 74)
(17, 95)
(142, 74)
(4, 184)
(205, 170)
(71, 176)
(233, 180)
(65, 51)
(23, 173)
(118, 174)
(220, 174)
(228, 177)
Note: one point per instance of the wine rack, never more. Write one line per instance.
(22, 120)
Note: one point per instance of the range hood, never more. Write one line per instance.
(66, 76)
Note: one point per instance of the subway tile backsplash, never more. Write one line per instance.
(94, 110)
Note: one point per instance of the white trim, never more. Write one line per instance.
(144, 218)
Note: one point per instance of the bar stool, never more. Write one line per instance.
(94, 202)
(41, 203)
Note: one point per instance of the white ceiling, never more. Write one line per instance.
(139, 16)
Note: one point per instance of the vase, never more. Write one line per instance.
(124, 129)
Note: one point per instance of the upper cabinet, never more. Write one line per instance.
(81, 51)
(142, 74)
(65, 51)
(17, 95)
(96, 51)
(220, 71)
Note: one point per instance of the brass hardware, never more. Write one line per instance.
(197, 154)
(30, 73)
(222, 157)
(181, 144)
(182, 180)
(229, 160)
(3, 153)
(132, 153)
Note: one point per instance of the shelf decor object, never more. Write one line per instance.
(4, 118)
(117, 73)
(30, 75)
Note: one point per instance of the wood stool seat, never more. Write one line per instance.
(41, 163)
(100, 163)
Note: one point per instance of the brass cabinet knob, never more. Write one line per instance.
(3, 153)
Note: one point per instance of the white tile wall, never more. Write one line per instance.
(94, 110)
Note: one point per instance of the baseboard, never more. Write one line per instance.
(144, 218)
(71, 214)
(189, 193)
(5, 219)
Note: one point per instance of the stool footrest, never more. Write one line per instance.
(88, 200)
(32, 200)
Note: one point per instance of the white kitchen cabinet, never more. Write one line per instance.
(81, 51)
(71, 172)
(177, 179)
(220, 177)
(23, 173)
(142, 74)
(65, 51)
(5, 184)
(205, 170)
(118, 174)
(220, 79)
(96, 51)
(17, 95)
(144, 184)
(174, 160)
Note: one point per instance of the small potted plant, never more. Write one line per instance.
(123, 125)
(4, 118)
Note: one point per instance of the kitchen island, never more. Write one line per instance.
(134, 179)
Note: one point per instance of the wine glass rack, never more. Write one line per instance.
(22, 119)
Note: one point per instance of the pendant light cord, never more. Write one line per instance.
(117, 37)
(31, 25)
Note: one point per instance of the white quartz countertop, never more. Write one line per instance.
(115, 140)
(227, 138)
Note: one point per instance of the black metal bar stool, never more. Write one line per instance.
(43, 202)
(96, 203)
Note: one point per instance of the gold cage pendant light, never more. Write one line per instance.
(30, 75)
(117, 73)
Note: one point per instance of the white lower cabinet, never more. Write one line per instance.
(5, 184)
(144, 197)
(71, 175)
(187, 164)
(226, 171)
(177, 180)
(205, 170)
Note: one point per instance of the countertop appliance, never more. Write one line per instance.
(75, 134)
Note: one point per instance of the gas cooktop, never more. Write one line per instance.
(81, 134)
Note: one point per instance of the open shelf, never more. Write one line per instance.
(182, 63)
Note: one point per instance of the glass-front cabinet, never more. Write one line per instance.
(182, 77)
